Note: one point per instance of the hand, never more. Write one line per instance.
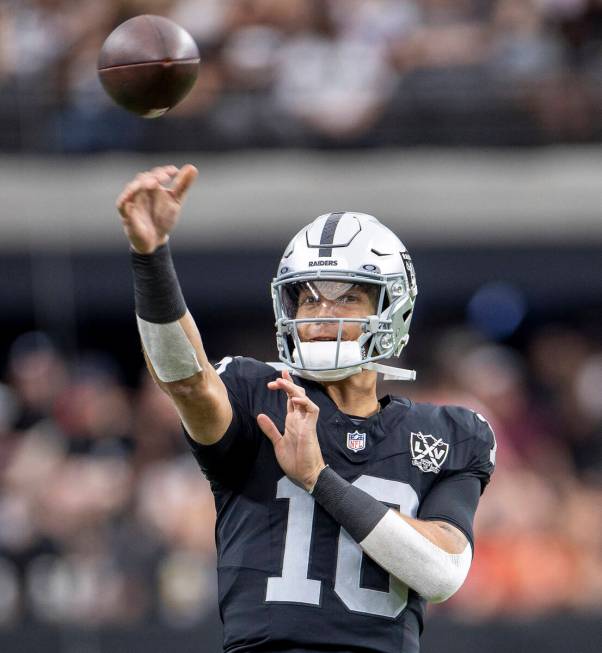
(149, 208)
(297, 450)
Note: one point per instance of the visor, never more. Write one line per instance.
(335, 298)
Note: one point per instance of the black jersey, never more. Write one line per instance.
(290, 578)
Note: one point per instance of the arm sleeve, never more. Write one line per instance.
(229, 460)
(453, 500)
(455, 497)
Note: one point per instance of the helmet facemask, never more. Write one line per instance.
(330, 325)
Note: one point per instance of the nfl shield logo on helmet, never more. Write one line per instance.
(428, 452)
(356, 441)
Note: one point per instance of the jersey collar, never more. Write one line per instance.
(329, 409)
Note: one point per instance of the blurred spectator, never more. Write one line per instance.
(38, 375)
(314, 72)
(106, 519)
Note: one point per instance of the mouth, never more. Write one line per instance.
(322, 340)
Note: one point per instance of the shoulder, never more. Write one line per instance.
(459, 422)
(467, 440)
(246, 379)
(471, 423)
(245, 368)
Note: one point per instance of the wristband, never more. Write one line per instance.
(356, 511)
(158, 296)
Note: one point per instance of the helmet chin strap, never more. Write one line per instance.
(391, 373)
(322, 354)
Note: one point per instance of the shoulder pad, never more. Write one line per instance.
(249, 368)
(471, 422)
(477, 427)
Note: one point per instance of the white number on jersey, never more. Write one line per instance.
(293, 586)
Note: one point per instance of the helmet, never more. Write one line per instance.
(335, 252)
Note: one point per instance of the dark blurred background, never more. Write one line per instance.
(470, 127)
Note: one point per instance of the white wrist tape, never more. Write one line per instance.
(171, 353)
(415, 560)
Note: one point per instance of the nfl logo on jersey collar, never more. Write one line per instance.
(428, 452)
(356, 441)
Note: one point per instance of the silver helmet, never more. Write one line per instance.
(338, 251)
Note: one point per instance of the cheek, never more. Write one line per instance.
(302, 330)
(352, 331)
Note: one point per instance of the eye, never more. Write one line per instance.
(349, 298)
(308, 299)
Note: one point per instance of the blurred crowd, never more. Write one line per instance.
(105, 518)
(314, 73)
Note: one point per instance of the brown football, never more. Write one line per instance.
(148, 64)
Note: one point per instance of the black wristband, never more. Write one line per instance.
(158, 295)
(356, 511)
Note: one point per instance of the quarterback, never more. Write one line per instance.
(339, 514)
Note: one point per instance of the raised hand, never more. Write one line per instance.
(150, 205)
(297, 449)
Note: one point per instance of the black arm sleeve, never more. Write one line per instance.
(453, 500)
(157, 292)
(455, 497)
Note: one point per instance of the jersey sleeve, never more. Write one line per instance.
(228, 461)
(454, 498)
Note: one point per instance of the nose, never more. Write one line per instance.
(326, 308)
(326, 330)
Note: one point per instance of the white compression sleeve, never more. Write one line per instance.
(171, 353)
(415, 560)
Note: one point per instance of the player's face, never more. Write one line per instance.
(333, 299)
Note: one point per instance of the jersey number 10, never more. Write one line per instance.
(293, 586)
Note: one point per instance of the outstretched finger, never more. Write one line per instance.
(291, 389)
(183, 181)
(305, 404)
(300, 391)
(269, 428)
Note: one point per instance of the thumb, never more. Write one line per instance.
(269, 428)
(183, 180)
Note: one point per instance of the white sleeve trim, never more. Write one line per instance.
(412, 558)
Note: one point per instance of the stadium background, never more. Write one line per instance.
(472, 127)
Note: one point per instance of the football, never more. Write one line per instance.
(148, 64)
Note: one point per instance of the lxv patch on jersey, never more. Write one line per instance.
(428, 452)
